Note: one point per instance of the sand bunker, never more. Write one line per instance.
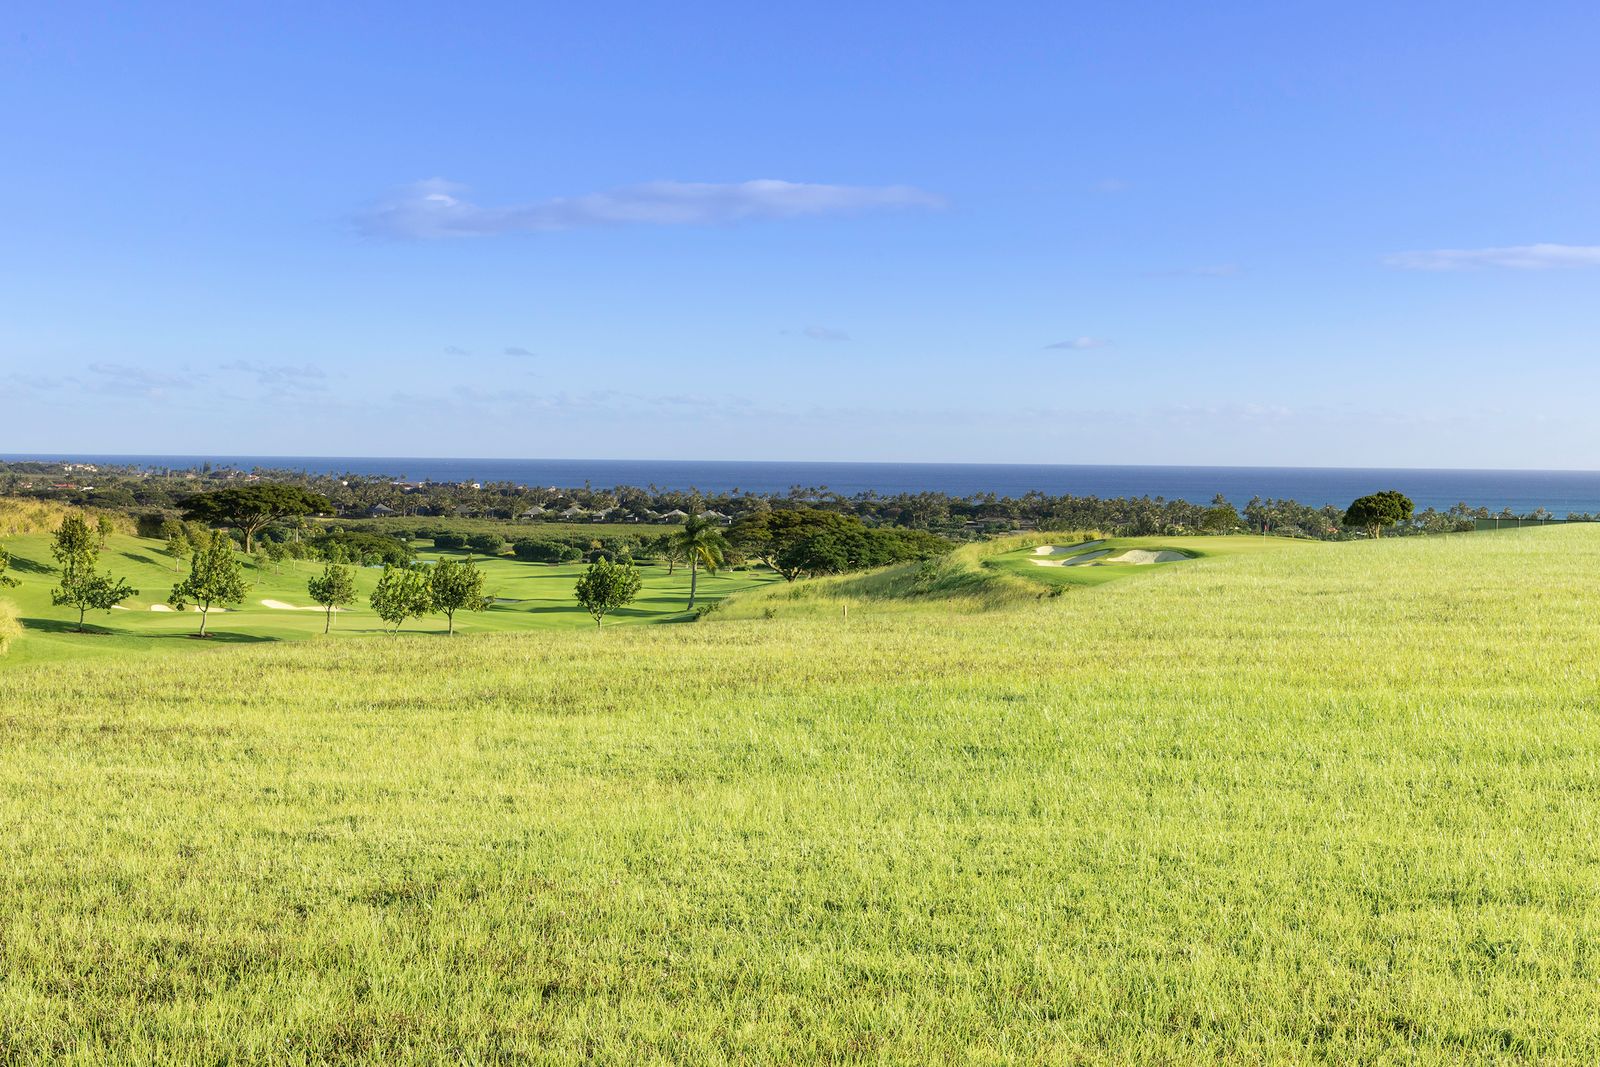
(278, 605)
(1141, 556)
(159, 607)
(1070, 561)
(1062, 550)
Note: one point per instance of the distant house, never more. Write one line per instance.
(379, 511)
(573, 513)
(715, 516)
(675, 515)
(604, 515)
(532, 513)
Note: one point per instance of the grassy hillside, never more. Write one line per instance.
(529, 596)
(1325, 803)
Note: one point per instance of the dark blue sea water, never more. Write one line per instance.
(1522, 491)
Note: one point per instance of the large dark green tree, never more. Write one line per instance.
(77, 552)
(607, 586)
(1378, 510)
(702, 545)
(251, 508)
(215, 579)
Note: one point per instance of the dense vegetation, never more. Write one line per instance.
(393, 505)
(1288, 802)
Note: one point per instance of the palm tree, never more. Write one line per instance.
(700, 543)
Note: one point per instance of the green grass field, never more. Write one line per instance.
(1287, 802)
(529, 596)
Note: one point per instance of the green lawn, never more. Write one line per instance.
(529, 596)
(1302, 804)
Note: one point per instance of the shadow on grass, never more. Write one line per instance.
(70, 628)
(23, 565)
(221, 637)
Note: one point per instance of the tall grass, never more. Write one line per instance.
(1329, 805)
(9, 630)
(23, 515)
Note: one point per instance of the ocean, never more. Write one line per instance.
(1522, 491)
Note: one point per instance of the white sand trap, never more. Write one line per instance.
(159, 607)
(1062, 550)
(278, 605)
(119, 607)
(1141, 556)
(1070, 561)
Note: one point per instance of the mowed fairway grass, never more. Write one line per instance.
(528, 596)
(1328, 803)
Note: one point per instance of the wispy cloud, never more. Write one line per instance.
(1111, 185)
(1511, 257)
(518, 350)
(122, 379)
(281, 377)
(437, 208)
(819, 333)
(455, 350)
(1081, 343)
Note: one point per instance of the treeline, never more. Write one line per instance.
(161, 494)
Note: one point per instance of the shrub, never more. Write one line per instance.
(446, 539)
(531, 550)
(488, 543)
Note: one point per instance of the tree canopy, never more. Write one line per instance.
(455, 585)
(333, 589)
(250, 508)
(214, 579)
(607, 586)
(1377, 510)
(77, 552)
(402, 593)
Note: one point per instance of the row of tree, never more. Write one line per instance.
(253, 506)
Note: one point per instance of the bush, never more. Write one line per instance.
(445, 539)
(364, 548)
(487, 543)
(149, 524)
(531, 550)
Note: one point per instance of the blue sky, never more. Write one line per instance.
(1300, 234)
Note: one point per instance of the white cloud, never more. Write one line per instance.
(1081, 343)
(437, 208)
(1511, 257)
(518, 350)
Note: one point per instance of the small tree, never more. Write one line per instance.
(333, 590)
(77, 551)
(454, 585)
(1378, 510)
(104, 528)
(607, 586)
(177, 545)
(402, 593)
(215, 579)
(5, 562)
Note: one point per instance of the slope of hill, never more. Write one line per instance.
(1321, 803)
